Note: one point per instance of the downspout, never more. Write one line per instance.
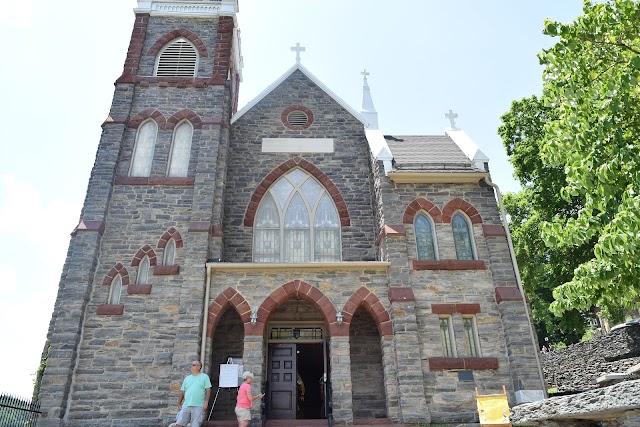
(503, 214)
(205, 314)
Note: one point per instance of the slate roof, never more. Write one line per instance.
(427, 152)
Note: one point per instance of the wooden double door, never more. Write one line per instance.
(296, 375)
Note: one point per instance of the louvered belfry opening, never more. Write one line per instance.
(297, 118)
(178, 59)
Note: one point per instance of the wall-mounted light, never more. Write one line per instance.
(254, 316)
(339, 317)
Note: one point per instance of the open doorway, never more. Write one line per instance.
(309, 381)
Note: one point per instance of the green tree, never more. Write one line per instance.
(591, 84)
(542, 268)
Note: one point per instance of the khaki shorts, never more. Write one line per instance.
(243, 414)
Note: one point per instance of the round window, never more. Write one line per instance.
(297, 118)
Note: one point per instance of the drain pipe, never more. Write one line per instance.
(503, 214)
(205, 314)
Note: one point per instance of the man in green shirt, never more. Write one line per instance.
(194, 396)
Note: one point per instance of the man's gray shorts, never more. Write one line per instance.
(193, 413)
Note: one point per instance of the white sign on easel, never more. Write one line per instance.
(230, 375)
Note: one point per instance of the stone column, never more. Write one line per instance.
(390, 378)
(253, 358)
(340, 362)
(413, 404)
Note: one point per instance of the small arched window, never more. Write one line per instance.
(462, 237)
(143, 271)
(297, 221)
(115, 290)
(170, 253)
(180, 150)
(423, 228)
(179, 58)
(143, 149)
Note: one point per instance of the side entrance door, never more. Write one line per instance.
(282, 381)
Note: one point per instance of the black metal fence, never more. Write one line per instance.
(17, 411)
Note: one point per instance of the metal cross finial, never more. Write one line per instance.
(297, 49)
(452, 118)
(365, 73)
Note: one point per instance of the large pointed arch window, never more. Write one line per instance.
(423, 228)
(180, 150)
(144, 148)
(462, 237)
(297, 221)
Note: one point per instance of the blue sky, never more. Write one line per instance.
(61, 59)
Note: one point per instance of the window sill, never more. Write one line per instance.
(155, 180)
(110, 309)
(139, 289)
(166, 270)
(449, 264)
(463, 363)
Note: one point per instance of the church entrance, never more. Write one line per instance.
(297, 368)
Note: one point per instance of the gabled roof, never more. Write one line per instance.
(311, 77)
(427, 152)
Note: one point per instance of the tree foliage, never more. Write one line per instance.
(590, 147)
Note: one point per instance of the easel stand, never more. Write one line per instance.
(229, 380)
(215, 399)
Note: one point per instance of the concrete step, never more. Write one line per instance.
(369, 422)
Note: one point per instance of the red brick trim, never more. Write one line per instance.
(120, 269)
(134, 53)
(508, 293)
(178, 82)
(463, 308)
(391, 230)
(184, 114)
(156, 180)
(492, 230)
(199, 227)
(228, 298)
(166, 270)
(363, 297)
(94, 226)
(296, 288)
(180, 32)
(222, 50)
(149, 113)
(418, 205)
(216, 231)
(139, 289)
(110, 309)
(273, 176)
(401, 294)
(449, 264)
(296, 107)
(171, 233)
(473, 363)
(458, 204)
(146, 250)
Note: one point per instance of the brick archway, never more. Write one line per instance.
(184, 114)
(171, 233)
(273, 176)
(229, 297)
(147, 251)
(421, 204)
(297, 288)
(149, 113)
(180, 32)
(120, 269)
(458, 204)
(370, 302)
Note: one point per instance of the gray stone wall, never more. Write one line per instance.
(367, 376)
(576, 367)
(348, 166)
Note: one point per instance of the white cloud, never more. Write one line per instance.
(17, 13)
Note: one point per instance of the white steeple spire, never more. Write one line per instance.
(367, 110)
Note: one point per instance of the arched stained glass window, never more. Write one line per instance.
(180, 150)
(170, 252)
(462, 237)
(143, 271)
(115, 290)
(298, 212)
(144, 148)
(423, 228)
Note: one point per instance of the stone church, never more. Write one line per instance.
(359, 275)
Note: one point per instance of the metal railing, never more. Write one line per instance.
(17, 411)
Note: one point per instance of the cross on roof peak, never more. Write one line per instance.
(452, 118)
(297, 49)
(364, 73)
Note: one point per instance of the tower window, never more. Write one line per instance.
(297, 221)
(423, 228)
(144, 148)
(177, 59)
(170, 253)
(143, 271)
(115, 290)
(462, 237)
(180, 150)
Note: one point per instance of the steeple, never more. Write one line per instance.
(367, 110)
